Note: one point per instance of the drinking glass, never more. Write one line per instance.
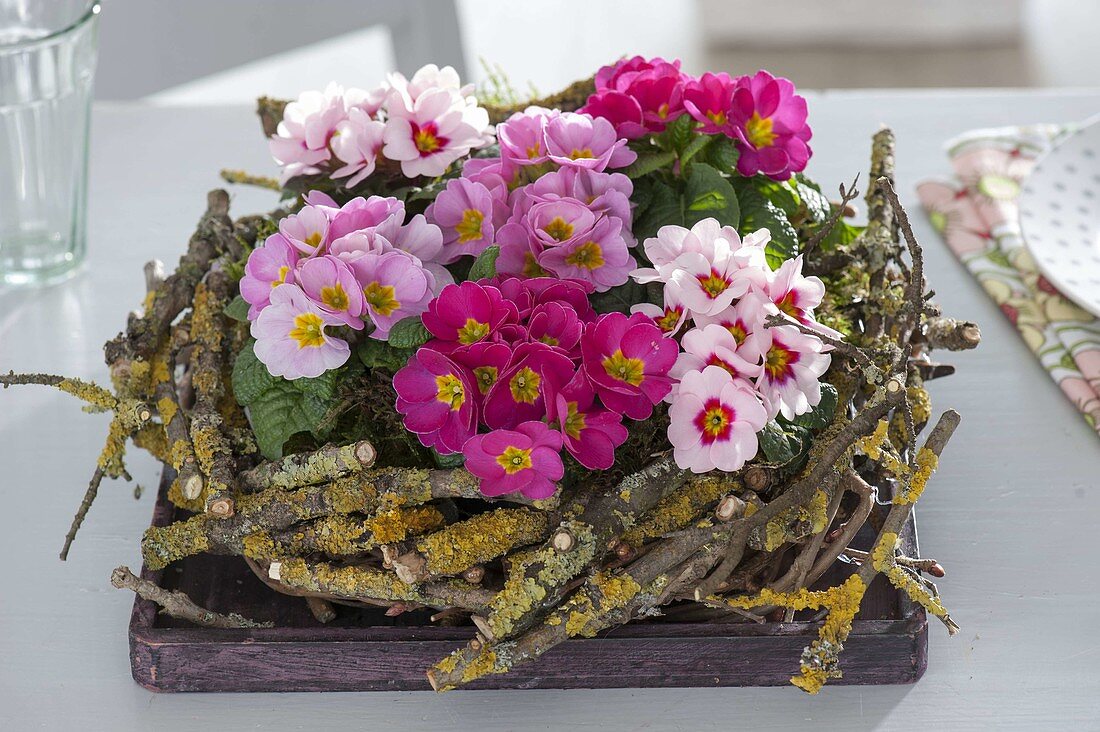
(47, 64)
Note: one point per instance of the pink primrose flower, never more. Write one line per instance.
(535, 374)
(770, 122)
(291, 337)
(436, 396)
(713, 422)
(332, 286)
(394, 285)
(628, 360)
(524, 460)
(269, 265)
(589, 432)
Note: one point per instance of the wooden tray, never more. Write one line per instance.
(363, 650)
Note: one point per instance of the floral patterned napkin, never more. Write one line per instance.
(977, 213)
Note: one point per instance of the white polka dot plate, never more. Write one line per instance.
(1060, 217)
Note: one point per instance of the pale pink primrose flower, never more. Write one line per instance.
(300, 143)
(582, 141)
(713, 422)
(357, 144)
(395, 285)
(291, 336)
(427, 78)
(793, 363)
(744, 317)
(269, 265)
(429, 133)
(331, 284)
(794, 294)
(709, 284)
(713, 345)
(307, 230)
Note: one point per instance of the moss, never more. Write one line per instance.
(482, 538)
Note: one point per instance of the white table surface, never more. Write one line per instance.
(1011, 514)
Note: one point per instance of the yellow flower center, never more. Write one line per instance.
(314, 239)
(514, 459)
(309, 330)
(587, 256)
(549, 340)
(662, 111)
(738, 332)
(714, 422)
(715, 361)
(786, 304)
(629, 370)
(718, 118)
(583, 152)
(426, 141)
(759, 131)
(574, 421)
(335, 297)
(668, 322)
(535, 151)
(531, 266)
(486, 376)
(472, 332)
(525, 386)
(713, 284)
(558, 229)
(450, 391)
(283, 272)
(380, 298)
(777, 362)
(469, 228)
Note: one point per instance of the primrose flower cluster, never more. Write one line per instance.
(424, 124)
(734, 374)
(548, 201)
(330, 267)
(529, 361)
(761, 113)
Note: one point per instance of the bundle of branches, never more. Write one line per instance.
(367, 522)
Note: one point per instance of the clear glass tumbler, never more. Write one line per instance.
(47, 65)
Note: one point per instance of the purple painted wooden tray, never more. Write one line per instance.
(363, 650)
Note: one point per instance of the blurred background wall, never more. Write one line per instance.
(212, 51)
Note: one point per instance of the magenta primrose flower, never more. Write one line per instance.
(713, 422)
(468, 213)
(638, 96)
(436, 396)
(628, 360)
(331, 283)
(468, 312)
(291, 336)
(524, 460)
(770, 121)
(556, 325)
(269, 265)
(536, 372)
(486, 360)
(708, 99)
(590, 433)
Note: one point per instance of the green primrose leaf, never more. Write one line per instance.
(409, 333)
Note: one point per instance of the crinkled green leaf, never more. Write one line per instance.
(757, 212)
(775, 444)
(380, 354)
(250, 376)
(484, 267)
(821, 415)
(621, 298)
(664, 208)
(696, 146)
(814, 203)
(447, 462)
(237, 309)
(409, 333)
(678, 133)
(721, 154)
(648, 162)
(708, 194)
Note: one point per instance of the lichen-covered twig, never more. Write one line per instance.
(951, 334)
(309, 468)
(212, 237)
(476, 540)
(177, 604)
(241, 177)
(366, 583)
